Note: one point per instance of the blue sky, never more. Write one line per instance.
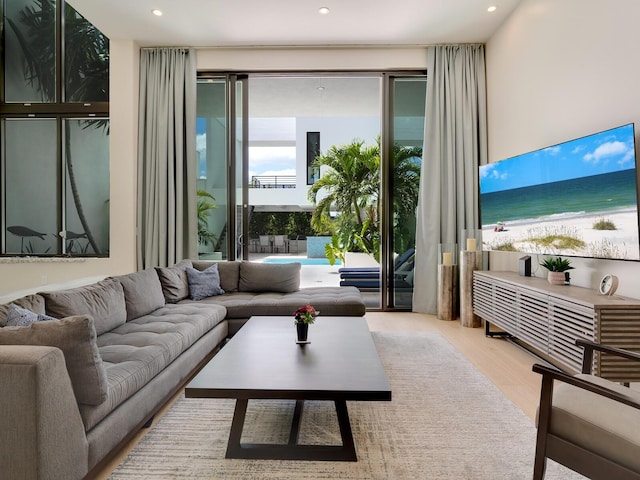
(263, 160)
(604, 152)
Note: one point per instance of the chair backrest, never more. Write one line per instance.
(278, 240)
(264, 240)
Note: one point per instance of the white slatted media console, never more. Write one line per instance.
(550, 317)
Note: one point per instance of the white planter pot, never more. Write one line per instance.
(556, 278)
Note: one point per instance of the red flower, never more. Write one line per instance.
(305, 314)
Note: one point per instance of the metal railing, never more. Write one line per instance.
(273, 181)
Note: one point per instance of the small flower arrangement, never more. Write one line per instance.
(306, 314)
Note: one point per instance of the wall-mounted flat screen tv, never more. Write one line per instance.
(578, 198)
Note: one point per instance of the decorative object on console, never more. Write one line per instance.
(447, 282)
(557, 267)
(524, 265)
(304, 316)
(470, 260)
(608, 285)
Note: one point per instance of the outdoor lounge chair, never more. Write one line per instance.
(369, 277)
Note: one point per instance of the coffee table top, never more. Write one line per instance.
(263, 360)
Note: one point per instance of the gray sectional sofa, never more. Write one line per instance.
(77, 388)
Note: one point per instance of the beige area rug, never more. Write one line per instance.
(446, 421)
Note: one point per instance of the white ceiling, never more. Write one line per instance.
(209, 23)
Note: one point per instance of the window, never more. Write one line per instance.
(54, 132)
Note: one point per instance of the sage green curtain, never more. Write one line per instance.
(455, 145)
(166, 203)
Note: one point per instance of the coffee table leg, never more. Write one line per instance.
(348, 445)
(292, 451)
(295, 422)
(234, 449)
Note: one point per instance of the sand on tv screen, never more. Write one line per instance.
(578, 198)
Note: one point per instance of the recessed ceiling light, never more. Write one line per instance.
(323, 10)
(492, 8)
(157, 12)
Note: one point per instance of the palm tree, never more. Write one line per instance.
(352, 186)
(206, 203)
(86, 72)
(351, 183)
(405, 180)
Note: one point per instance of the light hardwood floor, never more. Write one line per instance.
(505, 364)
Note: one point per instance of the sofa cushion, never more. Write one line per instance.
(331, 301)
(142, 292)
(174, 281)
(139, 350)
(34, 303)
(21, 317)
(266, 277)
(229, 273)
(203, 284)
(76, 337)
(103, 301)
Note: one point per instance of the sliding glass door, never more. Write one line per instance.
(404, 163)
(321, 169)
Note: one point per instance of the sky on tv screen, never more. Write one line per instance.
(604, 152)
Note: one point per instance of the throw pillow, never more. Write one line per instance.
(175, 286)
(76, 337)
(204, 284)
(229, 273)
(34, 303)
(21, 317)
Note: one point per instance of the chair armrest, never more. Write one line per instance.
(590, 347)
(551, 374)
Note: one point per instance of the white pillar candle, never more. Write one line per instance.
(471, 244)
(446, 258)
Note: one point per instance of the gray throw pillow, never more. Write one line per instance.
(229, 273)
(175, 286)
(204, 284)
(76, 337)
(21, 317)
(269, 277)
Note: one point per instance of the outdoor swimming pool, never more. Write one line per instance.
(302, 260)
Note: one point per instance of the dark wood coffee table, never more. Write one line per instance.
(263, 361)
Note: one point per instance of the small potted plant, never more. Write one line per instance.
(304, 316)
(557, 267)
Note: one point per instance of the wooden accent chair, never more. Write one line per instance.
(587, 423)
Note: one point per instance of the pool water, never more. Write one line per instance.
(302, 260)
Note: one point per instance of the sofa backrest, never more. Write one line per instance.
(229, 273)
(142, 292)
(103, 301)
(269, 277)
(247, 276)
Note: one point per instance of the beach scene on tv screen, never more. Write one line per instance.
(578, 198)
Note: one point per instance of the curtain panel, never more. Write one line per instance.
(166, 196)
(455, 145)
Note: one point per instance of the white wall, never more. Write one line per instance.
(304, 59)
(558, 70)
(22, 274)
